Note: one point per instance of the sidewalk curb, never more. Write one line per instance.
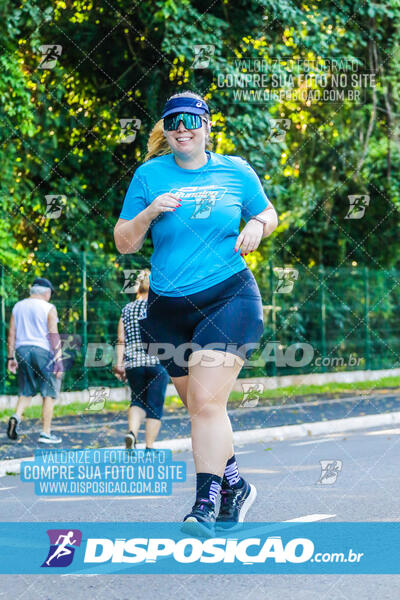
(270, 383)
(12, 466)
(269, 434)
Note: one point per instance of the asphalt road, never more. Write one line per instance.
(286, 475)
(98, 430)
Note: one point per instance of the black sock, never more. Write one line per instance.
(231, 477)
(208, 486)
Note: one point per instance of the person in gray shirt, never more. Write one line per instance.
(34, 351)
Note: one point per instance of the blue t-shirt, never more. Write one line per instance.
(194, 247)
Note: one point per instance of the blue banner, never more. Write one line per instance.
(253, 548)
(103, 472)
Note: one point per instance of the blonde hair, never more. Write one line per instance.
(157, 144)
(142, 282)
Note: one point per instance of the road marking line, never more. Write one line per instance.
(384, 432)
(311, 442)
(309, 518)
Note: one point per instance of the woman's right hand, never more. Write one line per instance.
(164, 203)
(119, 372)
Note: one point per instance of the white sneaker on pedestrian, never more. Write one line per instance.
(46, 438)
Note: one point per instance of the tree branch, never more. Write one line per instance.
(373, 111)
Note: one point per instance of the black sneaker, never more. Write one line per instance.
(12, 428)
(235, 502)
(130, 441)
(200, 522)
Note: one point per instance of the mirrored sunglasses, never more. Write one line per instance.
(171, 123)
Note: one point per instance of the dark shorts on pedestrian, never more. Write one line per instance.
(35, 372)
(148, 386)
(227, 316)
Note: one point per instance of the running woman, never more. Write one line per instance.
(147, 379)
(203, 299)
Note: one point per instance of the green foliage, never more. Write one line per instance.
(61, 131)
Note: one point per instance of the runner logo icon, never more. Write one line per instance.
(62, 547)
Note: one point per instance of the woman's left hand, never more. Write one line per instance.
(250, 237)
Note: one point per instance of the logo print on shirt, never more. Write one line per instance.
(203, 197)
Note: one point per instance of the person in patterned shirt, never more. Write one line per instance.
(146, 377)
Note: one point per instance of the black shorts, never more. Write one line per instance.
(227, 316)
(148, 386)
